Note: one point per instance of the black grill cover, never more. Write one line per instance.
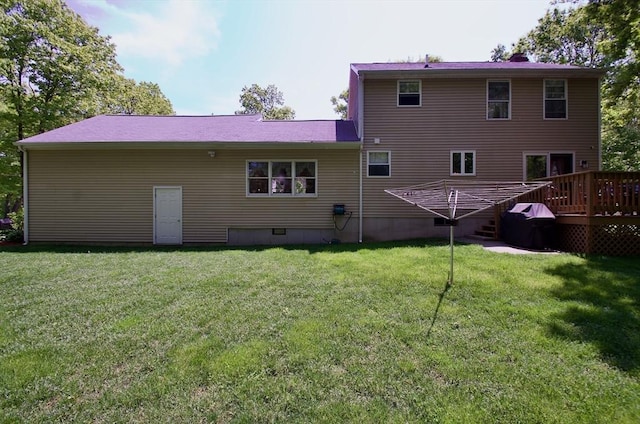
(528, 225)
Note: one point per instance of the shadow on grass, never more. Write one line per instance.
(311, 248)
(435, 314)
(603, 308)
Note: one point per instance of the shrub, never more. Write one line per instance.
(16, 233)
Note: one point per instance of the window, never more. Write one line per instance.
(535, 166)
(541, 165)
(463, 162)
(281, 178)
(498, 99)
(409, 93)
(555, 99)
(378, 164)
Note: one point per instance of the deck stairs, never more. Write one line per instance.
(486, 231)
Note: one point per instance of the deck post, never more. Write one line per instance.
(496, 220)
(591, 195)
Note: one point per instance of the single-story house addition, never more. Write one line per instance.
(192, 179)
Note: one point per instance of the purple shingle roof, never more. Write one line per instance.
(232, 128)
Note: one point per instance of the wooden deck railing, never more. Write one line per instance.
(590, 193)
(597, 212)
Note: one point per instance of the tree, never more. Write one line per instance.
(52, 65)
(620, 19)
(621, 129)
(10, 177)
(55, 69)
(144, 98)
(340, 103)
(603, 34)
(420, 59)
(566, 36)
(267, 101)
(499, 53)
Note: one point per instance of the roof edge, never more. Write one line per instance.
(184, 145)
(479, 73)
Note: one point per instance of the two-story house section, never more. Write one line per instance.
(485, 121)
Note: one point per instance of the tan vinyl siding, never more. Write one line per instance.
(453, 117)
(107, 195)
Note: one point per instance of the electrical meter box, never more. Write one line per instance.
(339, 210)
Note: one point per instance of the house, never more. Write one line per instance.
(242, 180)
(486, 121)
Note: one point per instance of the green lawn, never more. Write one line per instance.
(342, 333)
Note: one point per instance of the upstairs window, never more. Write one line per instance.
(555, 99)
(463, 162)
(409, 93)
(498, 99)
(378, 164)
(281, 178)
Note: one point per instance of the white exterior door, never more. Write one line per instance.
(167, 210)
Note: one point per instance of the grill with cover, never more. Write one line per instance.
(528, 225)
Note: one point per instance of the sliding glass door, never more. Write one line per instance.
(541, 165)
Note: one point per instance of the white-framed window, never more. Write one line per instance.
(463, 162)
(555, 99)
(547, 164)
(498, 99)
(378, 163)
(282, 178)
(410, 93)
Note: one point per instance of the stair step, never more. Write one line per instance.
(486, 233)
(479, 237)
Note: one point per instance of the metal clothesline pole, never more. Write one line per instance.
(450, 282)
(452, 217)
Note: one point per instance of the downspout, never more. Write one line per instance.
(360, 196)
(599, 124)
(361, 166)
(25, 195)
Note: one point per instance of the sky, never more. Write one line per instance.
(203, 52)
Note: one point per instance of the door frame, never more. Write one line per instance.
(155, 216)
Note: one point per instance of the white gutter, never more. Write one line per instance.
(432, 72)
(361, 135)
(25, 195)
(186, 145)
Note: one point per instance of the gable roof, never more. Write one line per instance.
(195, 129)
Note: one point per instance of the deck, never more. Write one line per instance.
(596, 212)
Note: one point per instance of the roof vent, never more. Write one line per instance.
(426, 60)
(518, 57)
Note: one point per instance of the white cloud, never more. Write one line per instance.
(169, 32)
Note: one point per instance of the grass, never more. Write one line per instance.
(339, 333)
